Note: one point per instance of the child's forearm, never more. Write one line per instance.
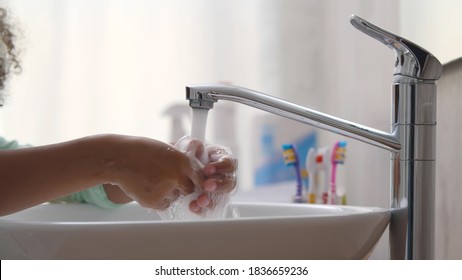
(31, 176)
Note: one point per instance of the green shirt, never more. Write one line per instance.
(95, 195)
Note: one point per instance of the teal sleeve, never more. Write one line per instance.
(95, 195)
(10, 145)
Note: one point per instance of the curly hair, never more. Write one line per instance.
(8, 52)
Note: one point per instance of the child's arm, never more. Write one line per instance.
(105, 196)
(149, 171)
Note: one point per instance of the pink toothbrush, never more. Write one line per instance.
(337, 157)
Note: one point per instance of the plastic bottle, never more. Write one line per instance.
(177, 112)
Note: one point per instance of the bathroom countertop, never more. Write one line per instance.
(280, 192)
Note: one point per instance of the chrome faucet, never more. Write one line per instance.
(411, 142)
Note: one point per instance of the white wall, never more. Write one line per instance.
(435, 25)
(114, 66)
(448, 244)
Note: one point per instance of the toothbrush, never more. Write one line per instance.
(316, 162)
(290, 157)
(310, 165)
(305, 181)
(337, 157)
(323, 165)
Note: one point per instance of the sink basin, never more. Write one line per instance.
(263, 231)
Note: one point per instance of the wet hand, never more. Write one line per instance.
(219, 172)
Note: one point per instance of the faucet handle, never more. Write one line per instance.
(411, 60)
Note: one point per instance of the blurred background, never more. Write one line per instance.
(114, 66)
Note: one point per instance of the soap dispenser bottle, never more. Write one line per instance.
(177, 112)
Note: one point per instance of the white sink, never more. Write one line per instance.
(264, 231)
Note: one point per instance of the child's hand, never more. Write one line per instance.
(219, 170)
(154, 173)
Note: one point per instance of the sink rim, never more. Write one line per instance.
(334, 212)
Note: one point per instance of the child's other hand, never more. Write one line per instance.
(219, 170)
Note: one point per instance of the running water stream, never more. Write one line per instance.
(179, 210)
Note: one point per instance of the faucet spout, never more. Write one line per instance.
(203, 96)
